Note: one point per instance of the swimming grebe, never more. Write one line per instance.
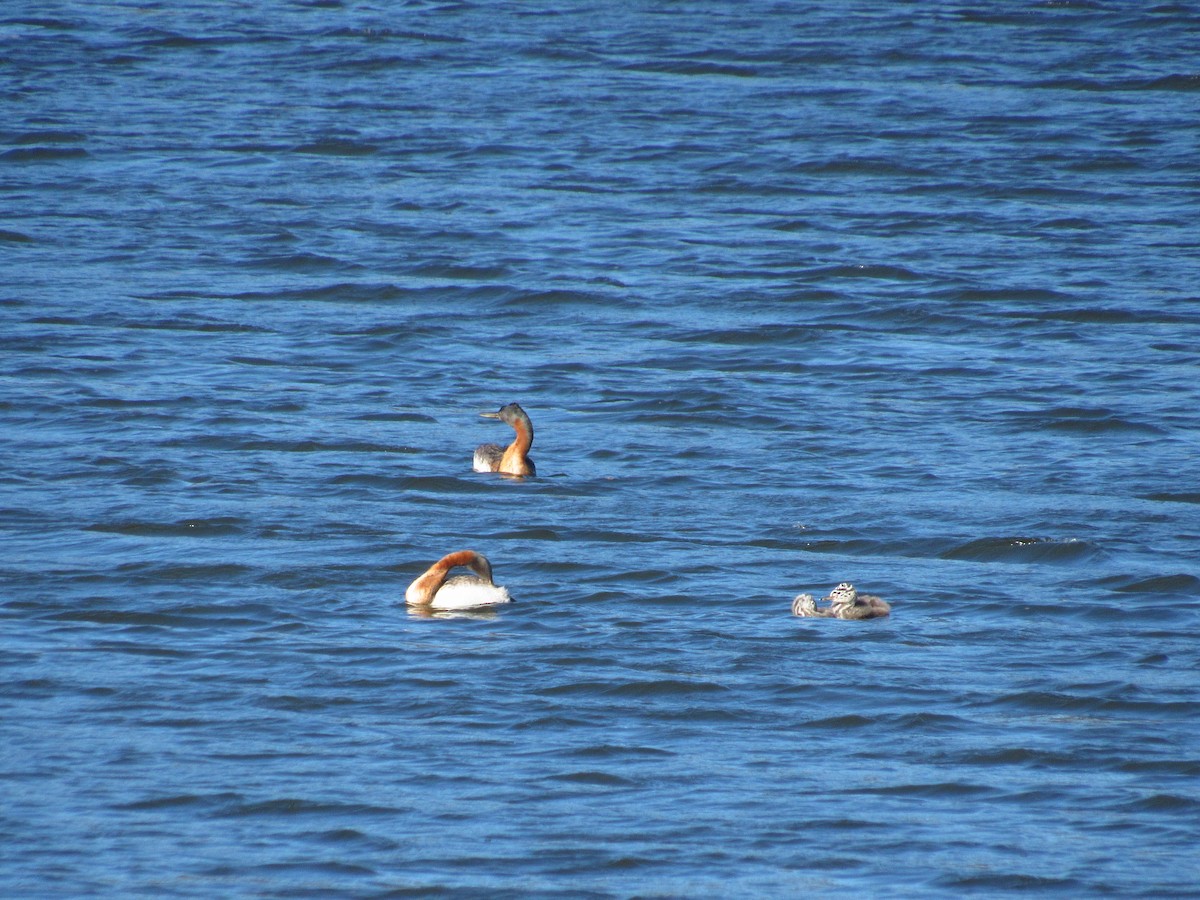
(842, 596)
(513, 459)
(435, 591)
(844, 603)
(805, 605)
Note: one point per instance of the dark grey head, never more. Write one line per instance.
(508, 414)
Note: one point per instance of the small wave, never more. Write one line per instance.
(790, 225)
(353, 835)
(1082, 419)
(202, 324)
(558, 52)
(1070, 223)
(1097, 315)
(531, 534)
(126, 404)
(1003, 295)
(1169, 803)
(1007, 756)
(159, 37)
(1163, 584)
(185, 528)
(1179, 768)
(427, 484)
(779, 333)
(555, 724)
(43, 154)
(295, 806)
(121, 617)
(609, 751)
(182, 572)
(1013, 883)
(343, 292)
(50, 137)
(458, 272)
(256, 147)
(864, 165)
(695, 402)
(841, 723)
(1172, 82)
(336, 147)
(919, 549)
(1063, 703)
(125, 60)
(48, 24)
(935, 789)
(179, 800)
(396, 417)
(321, 446)
(876, 272)
(292, 703)
(297, 262)
(376, 33)
(487, 149)
(572, 689)
(600, 779)
(692, 69)
(666, 687)
(1022, 549)
(256, 361)
(927, 721)
(1171, 497)
(199, 326)
(560, 298)
(606, 536)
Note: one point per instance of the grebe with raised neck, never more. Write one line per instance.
(513, 459)
(845, 602)
(435, 590)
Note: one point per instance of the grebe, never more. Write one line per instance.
(435, 591)
(842, 596)
(513, 459)
(805, 605)
(844, 603)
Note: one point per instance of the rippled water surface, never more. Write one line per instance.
(795, 293)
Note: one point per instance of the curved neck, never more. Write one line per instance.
(426, 587)
(524, 439)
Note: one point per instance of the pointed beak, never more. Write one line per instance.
(494, 415)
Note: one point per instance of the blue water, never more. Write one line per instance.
(902, 294)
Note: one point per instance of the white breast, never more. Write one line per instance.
(466, 592)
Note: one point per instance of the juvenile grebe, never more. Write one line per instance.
(513, 459)
(843, 595)
(844, 603)
(805, 605)
(435, 591)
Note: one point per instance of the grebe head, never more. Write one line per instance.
(804, 605)
(843, 595)
(480, 565)
(508, 414)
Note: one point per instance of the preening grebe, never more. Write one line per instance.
(436, 591)
(805, 605)
(510, 460)
(844, 603)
